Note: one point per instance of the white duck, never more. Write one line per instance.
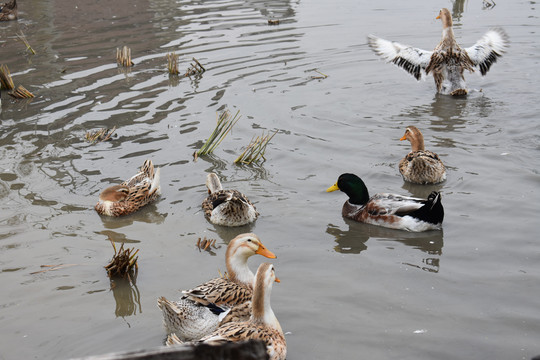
(202, 309)
(263, 324)
(448, 60)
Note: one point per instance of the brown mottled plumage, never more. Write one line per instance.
(134, 193)
(8, 11)
(218, 301)
(227, 207)
(448, 60)
(420, 166)
(263, 324)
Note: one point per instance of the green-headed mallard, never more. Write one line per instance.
(389, 210)
(202, 309)
(448, 60)
(420, 166)
(128, 197)
(263, 324)
(227, 207)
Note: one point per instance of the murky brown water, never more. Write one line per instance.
(348, 290)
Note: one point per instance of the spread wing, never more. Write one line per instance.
(412, 60)
(486, 50)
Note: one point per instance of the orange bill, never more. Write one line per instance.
(265, 252)
(277, 280)
(404, 137)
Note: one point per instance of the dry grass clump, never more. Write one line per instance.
(123, 264)
(225, 122)
(255, 149)
(6, 82)
(194, 69)
(123, 57)
(206, 244)
(172, 64)
(99, 135)
(21, 93)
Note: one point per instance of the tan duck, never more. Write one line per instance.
(262, 325)
(448, 60)
(389, 210)
(227, 207)
(420, 166)
(202, 309)
(134, 193)
(8, 11)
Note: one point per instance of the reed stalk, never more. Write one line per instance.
(172, 63)
(255, 149)
(224, 124)
(6, 82)
(123, 57)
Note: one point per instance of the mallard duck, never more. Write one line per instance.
(132, 194)
(389, 210)
(448, 60)
(227, 207)
(262, 325)
(202, 309)
(8, 11)
(420, 166)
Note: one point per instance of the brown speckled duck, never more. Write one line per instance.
(219, 301)
(263, 324)
(128, 197)
(227, 207)
(448, 60)
(420, 166)
(389, 210)
(8, 11)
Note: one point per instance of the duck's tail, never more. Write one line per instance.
(213, 184)
(432, 211)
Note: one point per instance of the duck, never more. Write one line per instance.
(448, 60)
(218, 301)
(420, 166)
(134, 193)
(227, 207)
(8, 11)
(389, 210)
(262, 325)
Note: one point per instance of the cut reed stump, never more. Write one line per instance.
(99, 135)
(172, 64)
(6, 82)
(123, 57)
(123, 264)
(225, 122)
(255, 149)
(21, 93)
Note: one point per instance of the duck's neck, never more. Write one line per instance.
(358, 193)
(417, 142)
(238, 269)
(262, 312)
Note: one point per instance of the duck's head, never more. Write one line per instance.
(114, 193)
(246, 245)
(415, 137)
(353, 186)
(445, 17)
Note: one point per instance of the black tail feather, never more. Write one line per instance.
(432, 211)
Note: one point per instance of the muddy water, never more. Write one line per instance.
(348, 289)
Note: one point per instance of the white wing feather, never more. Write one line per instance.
(411, 59)
(486, 50)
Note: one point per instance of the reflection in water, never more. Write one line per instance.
(353, 241)
(148, 214)
(457, 10)
(126, 296)
(113, 236)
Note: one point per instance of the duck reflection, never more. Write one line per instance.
(148, 214)
(354, 241)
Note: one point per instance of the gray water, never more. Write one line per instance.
(347, 290)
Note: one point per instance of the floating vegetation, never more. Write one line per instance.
(51, 268)
(172, 64)
(273, 21)
(322, 76)
(194, 69)
(99, 135)
(21, 93)
(256, 149)
(6, 82)
(224, 125)
(123, 57)
(22, 37)
(123, 264)
(206, 244)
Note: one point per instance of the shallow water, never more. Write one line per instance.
(348, 290)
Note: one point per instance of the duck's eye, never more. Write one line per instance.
(249, 240)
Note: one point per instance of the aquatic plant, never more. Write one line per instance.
(99, 135)
(123, 263)
(6, 82)
(172, 63)
(123, 57)
(21, 93)
(22, 37)
(224, 124)
(255, 149)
